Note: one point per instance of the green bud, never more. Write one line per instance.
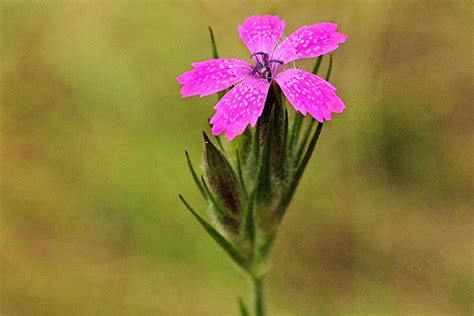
(222, 180)
(273, 149)
(228, 221)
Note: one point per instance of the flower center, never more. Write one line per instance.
(265, 67)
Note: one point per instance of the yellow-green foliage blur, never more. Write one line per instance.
(93, 133)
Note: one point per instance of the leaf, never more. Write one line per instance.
(219, 142)
(311, 124)
(298, 120)
(295, 131)
(215, 55)
(299, 172)
(317, 65)
(244, 311)
(195, 177)
(284, 147)
(303, 143)
(328, 73)
(217, 138)
(240, 173)
(218, 238)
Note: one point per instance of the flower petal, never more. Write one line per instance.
(309, 93)
(261, 33)
(309, 41)
(214, 75)
(239, 107)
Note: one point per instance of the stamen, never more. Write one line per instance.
(263, 67)
(259, 53)
(276, 61)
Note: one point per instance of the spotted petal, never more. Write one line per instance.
(309, 41)
(261, 33)
(239, 107)
(309, 93)
(214, 75)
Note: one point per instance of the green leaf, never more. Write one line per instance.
(328, 73)
(215, 55)
(195, 177)
(317, 65)
(303, 143)
(302, 146)
(299, 172)
(244, 311)
(284, 147)
(240, 173)
(219, 142)
(304, 162)
(218, 238)
(217, 138)
(295, 131)
(298, 120)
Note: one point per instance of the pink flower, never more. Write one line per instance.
(244, 103)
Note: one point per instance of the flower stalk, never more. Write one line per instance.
(257, 286)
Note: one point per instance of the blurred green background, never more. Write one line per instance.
(93, 133)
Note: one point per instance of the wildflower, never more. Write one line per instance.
(244, 103)
(249, 190)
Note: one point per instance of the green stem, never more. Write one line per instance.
(257, 287)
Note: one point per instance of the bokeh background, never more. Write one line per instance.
(93, 133)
